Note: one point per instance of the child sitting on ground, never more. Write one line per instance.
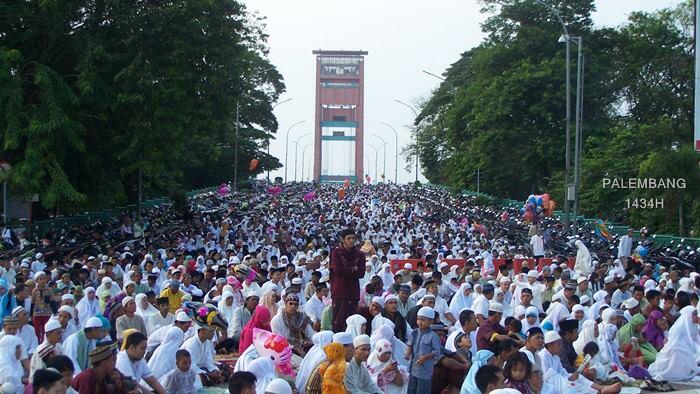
(181, 380)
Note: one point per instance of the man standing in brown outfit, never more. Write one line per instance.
(347, 266)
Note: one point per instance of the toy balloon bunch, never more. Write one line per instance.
(536, 207)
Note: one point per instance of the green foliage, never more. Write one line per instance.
(91, 94)
(501, 109)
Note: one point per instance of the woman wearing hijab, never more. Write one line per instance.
(389, 376)
(583, 259)
(607, 342)
(227, 309)
(264, 370)
(270, 297)
(11, 371)
(144, 308)
(313, 358)
(481, 358)
(88, 306)
(163, 359)
(599, 298)
(356, 325)
(655, 328)
(387, 276)
(578, 313)
(531, 319)
(261, 319)
(634, 329)
(386, 332)
(677, 359)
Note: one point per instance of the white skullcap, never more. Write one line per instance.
(408, 266)
(495, 307)
(278, 386)
(93, 322)
(296, 281)
(630, 303)
(343, 338)
(391, 297)
(66, 297)
(505, 279)
(182, 317)
(532, 274)
(126, 300)
(426, 312)
(51, 325)
(68, 309)
(581, 279)
(584, 299)
(360, 340)
(379, 300)
(551, 336)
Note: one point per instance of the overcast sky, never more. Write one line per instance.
(402, 37)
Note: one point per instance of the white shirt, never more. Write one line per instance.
(28, 336)
(157, 321)
(314, 308)
(133, 369)
(537, 243)
(70, 349)
(202, 354)
(624, 248)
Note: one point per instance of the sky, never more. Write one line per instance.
(403, 38)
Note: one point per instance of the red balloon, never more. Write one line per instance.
(341, 193)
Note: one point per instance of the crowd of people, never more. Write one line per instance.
(379, 289)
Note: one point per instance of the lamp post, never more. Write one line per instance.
(434, 75)
(296, 153)
(268, 140)
(286, 148)
(396, 156)
(565, 39)
(303, 161)
(384, 146)
(416, 114)
(376, 156)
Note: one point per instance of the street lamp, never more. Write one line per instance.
(268, 140)
(296, 153)
(396, 158)
(436, 76)
(286, 148)
(383, 142)
(303, 154)
(416, 114)
(567, 40)
(376, 156)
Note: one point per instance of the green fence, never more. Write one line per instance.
(615, 228)
(39, 228)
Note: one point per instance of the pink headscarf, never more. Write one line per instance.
(260, 319)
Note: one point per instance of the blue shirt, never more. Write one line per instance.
(424, 342)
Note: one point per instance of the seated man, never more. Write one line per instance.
(294, 325)
(202, 352)
(130, 362)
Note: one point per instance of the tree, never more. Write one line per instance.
(95, 94)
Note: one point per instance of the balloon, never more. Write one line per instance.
(528, 216)
(274, 190)
(341, 193)
(532, 200)
(274, 347)
(643, 251)
(309, 196)
(253, 164)
(539, 201)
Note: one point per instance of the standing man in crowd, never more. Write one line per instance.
(346, 268)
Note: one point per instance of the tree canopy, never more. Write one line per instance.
(92, 93)
(501, 110)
